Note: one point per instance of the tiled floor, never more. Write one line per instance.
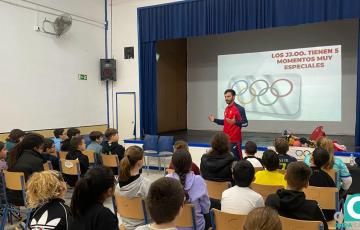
(151, 175)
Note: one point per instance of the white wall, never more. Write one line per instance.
(125, 33)
(202, 71)
(39, 72)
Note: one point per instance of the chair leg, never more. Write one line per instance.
(3, 221)
(159, 164)
(27, 219)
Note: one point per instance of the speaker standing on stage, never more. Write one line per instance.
(234, 120)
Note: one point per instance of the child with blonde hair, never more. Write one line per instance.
(45, 193)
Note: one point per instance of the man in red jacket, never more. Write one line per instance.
(234, 120)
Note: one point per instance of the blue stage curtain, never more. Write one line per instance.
(207, 17)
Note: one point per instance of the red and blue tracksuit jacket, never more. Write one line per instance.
(233, 130)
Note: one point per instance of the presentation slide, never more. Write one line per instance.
(302, 84)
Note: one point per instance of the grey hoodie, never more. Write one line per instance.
(137, 188)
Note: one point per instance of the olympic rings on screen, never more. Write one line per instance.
(254, 93)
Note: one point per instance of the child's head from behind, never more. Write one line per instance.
(182, 163)
(181, 145)
(3, 150)
(60, 133)
(111, 135)
(96, 136)
(77, 143)
(281, 145)
(133, 158)
(250, 148)
(72, 132)
(265, 218)
(96, 186)
(320, 157)
(271, 160)
(16, 135)
(243, 173)
(49, 146)
(220, 144)
(297, 175)
(165, 200)
(43, 187)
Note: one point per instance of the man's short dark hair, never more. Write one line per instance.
(230, 91)
(58, 132)
(243, 173)
(281, 145)
(110, 132)
(48, 143)
(270, 160)
(75, 142)
(164, 200)
(72, 132)
(94, 135)
(321, 157)
(250, 148)
(298, 175)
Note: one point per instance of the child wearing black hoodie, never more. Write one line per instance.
(291, 202)
(111, 146)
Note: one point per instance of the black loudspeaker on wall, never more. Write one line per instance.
(108, 69)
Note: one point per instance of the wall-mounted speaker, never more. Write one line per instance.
(108, 69)
(129, 52)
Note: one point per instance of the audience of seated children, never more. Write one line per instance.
(250, 150)
(333, 163)
(45, 193)
(97, 185)
(15, 136)
(291, 202)
(26, 157)
(72, 132)
(271, 175)
(59, 136)
(49, 153)
(240, 199)
(164, 202)
(265, 218)
(319, 177)
(194, 186)
(111, 145)
(77, 145)
(216, 164)
(282, 147)
(182, 145)
(96, 138)
(131, 182)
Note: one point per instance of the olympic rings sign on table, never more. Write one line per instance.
(254, 94)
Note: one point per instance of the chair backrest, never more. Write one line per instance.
(14, 181)
(70, 167)
(215, 188)
(265, 190)
(47, 166)
(90, 154)
(133, 208)
(293, 224)
(166, 144)
(327, 197)
(151, 143)
(187, 217)
(62, 154)
(222, 220)
(111, 161)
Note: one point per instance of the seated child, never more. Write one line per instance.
(111, 145)
(250, 150)
(59, 136)
(240, 199)
(165, 202)
(182, 145)
(49, 153)
(72, 132)
(271, 175)
(265, 218)
(291, 202)
(282, 147)
(15, 136)
(45, 192)
(96, 138)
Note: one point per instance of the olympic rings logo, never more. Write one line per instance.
(301, 153)
(241, 90)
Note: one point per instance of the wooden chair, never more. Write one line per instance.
(47, 166)
(293, 224)
(133, 208)
(222, 220)
(265, 190)
(62, 155)
(70, 167)
(187, 217)
(14, 181)
(90, 154)
(215, 188)
(111, 161)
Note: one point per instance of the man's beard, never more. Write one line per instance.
(228, 102)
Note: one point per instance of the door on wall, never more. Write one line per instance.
(126, 115)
